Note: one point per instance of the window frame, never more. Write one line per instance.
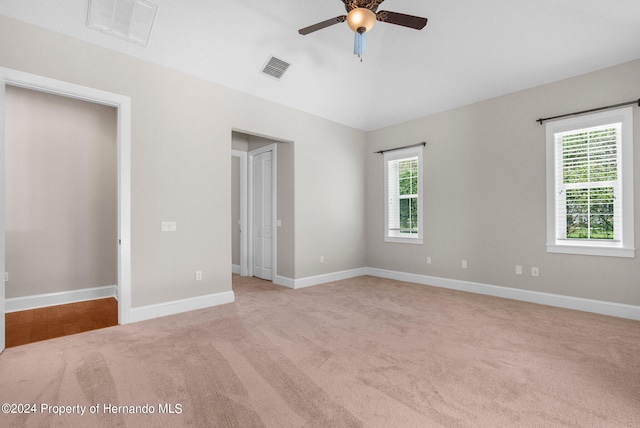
(397, 155)
(624, 246)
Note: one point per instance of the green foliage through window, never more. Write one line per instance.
(408, 185)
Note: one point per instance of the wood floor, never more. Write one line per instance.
(55, 321)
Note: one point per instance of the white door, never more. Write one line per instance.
(262, 220)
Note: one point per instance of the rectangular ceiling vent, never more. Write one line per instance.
(275, 67)
(127, 19)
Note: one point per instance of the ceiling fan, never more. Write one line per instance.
(361, 17)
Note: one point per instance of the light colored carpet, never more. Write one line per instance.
(361, 352)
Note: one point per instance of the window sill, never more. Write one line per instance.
(589, 250)
(399, 240)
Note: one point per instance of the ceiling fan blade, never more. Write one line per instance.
(321, 25)
(409, 21)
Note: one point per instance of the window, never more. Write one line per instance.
(590, 184)
(403, 195)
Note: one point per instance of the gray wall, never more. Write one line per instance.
(61, 194)
(485, 199)
(181, 166)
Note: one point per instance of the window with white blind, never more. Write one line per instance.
(403, 195)
(590, 184)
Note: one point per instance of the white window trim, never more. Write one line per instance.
(395, 155)
(624, 247)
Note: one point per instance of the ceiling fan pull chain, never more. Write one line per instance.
(360, 42)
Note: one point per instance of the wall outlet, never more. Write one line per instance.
(428, 260)
(464, 264)
(199, 275)
(321, 259)
(534, 271)
(518, 270)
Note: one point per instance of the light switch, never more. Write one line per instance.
(168, 226)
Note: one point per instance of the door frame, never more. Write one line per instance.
(10, 77)
(244, 271)
(274, 206)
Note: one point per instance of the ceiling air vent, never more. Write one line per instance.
(127, 19)
(275, 67)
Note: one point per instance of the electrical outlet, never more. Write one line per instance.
(518, 270)
(321, 259)
(464, 264)
(534, 271)
(428, 260)
(199, 275)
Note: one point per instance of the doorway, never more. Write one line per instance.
(122, 104)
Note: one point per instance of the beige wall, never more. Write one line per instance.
(61, 194)
(181, 166)
(485, 198)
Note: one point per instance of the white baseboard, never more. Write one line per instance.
(178, 306)
(319, 279)
(587, 305)
(15, 304)
(235, 269)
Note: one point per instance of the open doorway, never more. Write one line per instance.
(262, 207)
(12, 78)
(61, 225)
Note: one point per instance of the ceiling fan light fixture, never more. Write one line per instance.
(361, 18)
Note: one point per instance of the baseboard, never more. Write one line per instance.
(319, 279)
(178, 306)
(235, 269)
(587, 305)
(16, 304)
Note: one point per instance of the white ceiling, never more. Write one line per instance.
(469, 51)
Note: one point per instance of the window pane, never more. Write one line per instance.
(590, 213)
(590, 156)
(578, 214)
(408, 177)
(409, 215)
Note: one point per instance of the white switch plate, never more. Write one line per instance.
(534, 271)
(518, 270)
(279, 223)
(321, 259)
(428, 260)
(168, 226)
(464, 264)
(199, 275)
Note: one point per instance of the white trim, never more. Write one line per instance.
(143, 313)
(395, 155)
(319, 279)
(123, 105)
(236, 269)
(624, 247)
(242, 268)
(16, 304)
(557, 300)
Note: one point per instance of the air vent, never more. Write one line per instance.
(275, 67)
(127, 19)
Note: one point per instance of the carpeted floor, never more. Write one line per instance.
(362, 352)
